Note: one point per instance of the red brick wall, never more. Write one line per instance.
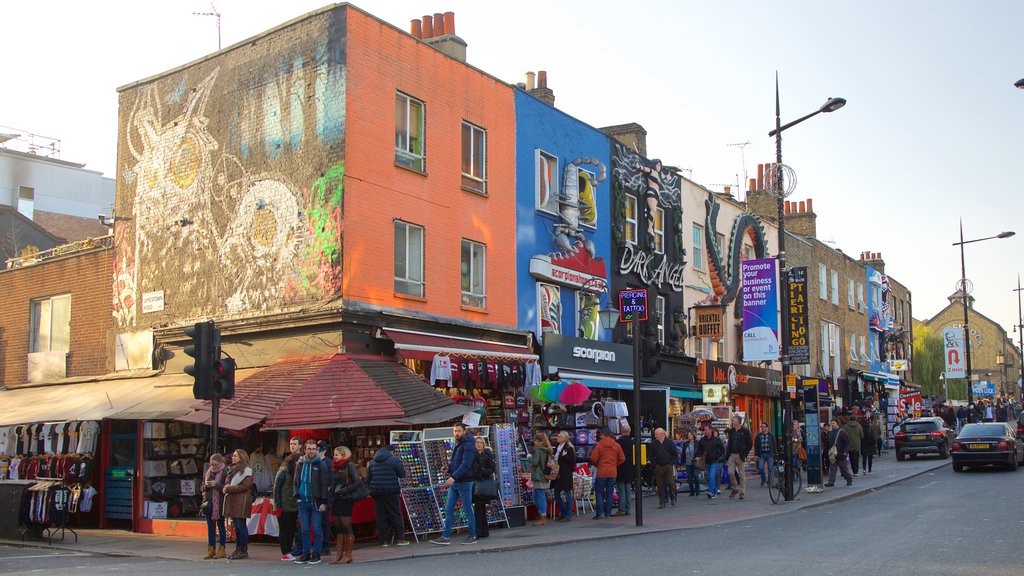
(86, 276)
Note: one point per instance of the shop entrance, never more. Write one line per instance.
(119, 478)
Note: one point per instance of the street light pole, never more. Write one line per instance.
(1020, 333)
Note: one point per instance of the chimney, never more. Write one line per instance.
(760, 176)
(751, 185)
(439, 32)
(632, 136)
(874, 259)
(529, 80)
(416, 28)
(803, 221)
(542, 92)
(438, 24)
(449, 23)
(428, 26)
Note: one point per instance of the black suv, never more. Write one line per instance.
(923, 436)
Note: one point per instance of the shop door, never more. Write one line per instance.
(120, 477)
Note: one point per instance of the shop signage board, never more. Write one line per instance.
(709, 322)
(953, 344)
(632, 305)
(585, 355)
(742, 379)
(799, 343)
(910, 400)
(715, 393)
(898, 365)
(760, 298)
(983, 388)
(810, 390)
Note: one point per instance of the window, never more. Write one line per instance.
(474, 268)
(849, 294)
(409, 129)
(408, 259)
(26, 201)
(835, 287)
(659, 230)
(748, 252)
(720, 350)
(587, 304)
(50, 324)
(853, 348)
(698, 247)
(547, 182)
(631, 228)
(863, 350)
(549, 302)
(861, 304)
(474, 158)
(698, 347)
(822, 282)
(659, 318)
(587, 197)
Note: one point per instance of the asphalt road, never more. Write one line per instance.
(942, 522)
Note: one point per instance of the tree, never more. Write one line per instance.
(928, 361)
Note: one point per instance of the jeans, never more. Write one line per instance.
(765, 462)
(867, 459)
(460, 491)
(714, 472)
(540, 500)
(738, 474)
(625, 490)
(310, 518)
(841, 465)
(564, 499)
(692, 479)
(605, 488)
(212, 526)
(665, 479)
(241, 531)
(854, 461)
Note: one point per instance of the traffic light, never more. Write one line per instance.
(649, 357)
(224, 378)
(205, 348)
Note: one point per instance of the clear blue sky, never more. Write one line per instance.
(931, 133)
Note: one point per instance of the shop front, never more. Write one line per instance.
(747, 389)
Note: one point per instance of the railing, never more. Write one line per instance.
(62, 250)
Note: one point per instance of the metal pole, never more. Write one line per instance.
(1020, 338)
(784, 403)
(214, 423)
(639, 492)
(967, 326)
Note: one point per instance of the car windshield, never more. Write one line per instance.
(919, 427)
(983, 430)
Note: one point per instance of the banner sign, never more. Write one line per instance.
(983, 388)
(910, 400)
(759, 298)
(799, 345)
(709, 322)
(953, 344)
(810, 391)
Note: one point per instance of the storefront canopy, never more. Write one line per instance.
(421, 346)
(889, 380)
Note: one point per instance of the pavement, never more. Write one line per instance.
(689, 513)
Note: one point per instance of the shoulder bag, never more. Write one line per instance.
(486, 487)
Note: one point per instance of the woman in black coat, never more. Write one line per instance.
(563, 485)
(484, 468)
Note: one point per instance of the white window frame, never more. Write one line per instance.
(540, 305)
(698, 247)
(862, 304)
(659, 314)
(473, 181)
(825, 358)
(822, 282)
(476, 295)
(47, 331)
(405, 283)
(659, 230)
(545, 162)
(849, 294)
(406, 154)
(852, 352)
(835, 287)
(26, 201)
(632, 228)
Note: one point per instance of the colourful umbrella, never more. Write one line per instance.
(554, 391)
(574, 393)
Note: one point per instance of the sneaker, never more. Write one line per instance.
(716, 495)
(314, 559)
(743, 497)
(598, 517)
(302, 559)
(733, 493)
(401, 543)
(762, 482)
(829, 485)
(287, 558)
(385, 544)
(856, 474)
(470, 540)
(442, 541)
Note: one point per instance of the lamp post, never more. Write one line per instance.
(1019, 83)
(945, 386)
(1020, 319)
(963, 293)
(831, 105)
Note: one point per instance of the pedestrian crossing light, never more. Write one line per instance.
(224, 378)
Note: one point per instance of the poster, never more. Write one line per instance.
(799, 343)
(759, 297)
(953, 348)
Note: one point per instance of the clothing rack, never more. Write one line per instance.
(58, 507)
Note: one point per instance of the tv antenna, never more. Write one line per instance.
(743, 160)
(216, 14)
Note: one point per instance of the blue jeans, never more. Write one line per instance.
(310, 518)
(692, 479)
(459, 491)
(605, 488)
(564, 500)
(714, 475)
(212, 526)
(625, 490)
(540, 500)
(241, 531)
(761, 460)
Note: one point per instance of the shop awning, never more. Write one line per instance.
(593, 381)
(421, 346)
(890, 380)
(690, 394)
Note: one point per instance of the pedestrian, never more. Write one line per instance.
(625, 473)
(1001, 412)
(540, 473)
(876, 432)
(348, 489)
(867, 447)
(322, 449)
(764, 449)
(213, 486)
(484, 467)
(737, 450)
(607, 456)
(238, 502)
(855, 434)
(797, 439)
(383, 478)
(459, 485)
(713, 450)
(961, 417)
(565, 455)
(663, 456)
(295, 453)
(287, 506)
(689, 457)
(312, 485)
(839, 439)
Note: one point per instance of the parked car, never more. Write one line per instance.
(988, 443)
(923, 436)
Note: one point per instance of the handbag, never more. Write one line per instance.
(359, 492)
(487, 487)
(700, 463)
(801, 453)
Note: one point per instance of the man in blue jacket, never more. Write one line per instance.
(459, 485)
(383, 476)
(312, 484)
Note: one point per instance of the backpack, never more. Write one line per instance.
(551, 469)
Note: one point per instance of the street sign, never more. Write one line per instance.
(953, 345)
(632, 305)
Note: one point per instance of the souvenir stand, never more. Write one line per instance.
(174, 456)
(50, 506)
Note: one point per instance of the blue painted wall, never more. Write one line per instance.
(874, 311)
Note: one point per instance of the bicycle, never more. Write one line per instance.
(776, 480)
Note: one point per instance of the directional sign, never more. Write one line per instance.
(632, 305)
(953, 346)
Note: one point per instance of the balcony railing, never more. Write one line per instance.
(62, 250)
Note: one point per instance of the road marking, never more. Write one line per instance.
(54, 555)
(928, 484)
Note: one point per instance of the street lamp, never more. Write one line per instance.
(1020, 317)
(1019, 83)
(945, 386)
(831, 105)
(963, 293)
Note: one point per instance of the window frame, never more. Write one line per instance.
(822, 282)
(469, 179)
(697, 241)
(659, 314)
(850, 294)
(834, 277)
(26, 205)
(557, 322)
(405, 155)
(540, 157)
(659, 230)
(407, 280)
(37, 314)
(470, 298)
(591, 179)
(632, 224)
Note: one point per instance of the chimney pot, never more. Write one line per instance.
(530, 80)
(803, 207)
(438, 24)
(449, 23)
(542, 79)
(788, 207)
(810, 207)
(752, 184)
(760, 176)
(416, 28)
(428, 26)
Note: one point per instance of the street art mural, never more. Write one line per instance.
(724, 272)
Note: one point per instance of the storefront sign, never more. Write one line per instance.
(632, 305)
(743, 380)
(543, 268)
(643, 265)
(898, 365)
(910, 400)
(813, 438)
(799, 343)
(984, 388)
(591, 356)
(715, 393)
(760, 310)
(953, 344)
(709, 322)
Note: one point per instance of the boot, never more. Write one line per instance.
(346, 544)
(221, 553)
(340, 549)
(234, 553)
(243, 553)
(209, 553)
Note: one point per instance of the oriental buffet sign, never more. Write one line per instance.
(644, 266)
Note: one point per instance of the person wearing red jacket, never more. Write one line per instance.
(607, 456)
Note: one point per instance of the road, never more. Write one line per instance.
(942, 522)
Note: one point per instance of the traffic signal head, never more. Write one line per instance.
(224, 378)
(649, 361)
(205, 348)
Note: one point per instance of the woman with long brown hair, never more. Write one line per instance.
(238, 502)
(538, 474)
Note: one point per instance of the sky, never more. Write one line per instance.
(930, 135)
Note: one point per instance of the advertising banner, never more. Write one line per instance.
(760, 299)
(799, 343)
(953, 345)
(813, 432)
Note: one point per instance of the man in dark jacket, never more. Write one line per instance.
(739, 447)
(664, 456)
(625, 473)
(838, 438)
(312, 485)
(382, 477)
(459, 484)
(764, 449)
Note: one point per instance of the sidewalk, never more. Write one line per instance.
(689, 513)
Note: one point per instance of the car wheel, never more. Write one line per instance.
(900, 456)
(958, 467)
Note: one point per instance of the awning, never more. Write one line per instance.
(422, 346)
(594, 381)
(676, 393)
(890, 380)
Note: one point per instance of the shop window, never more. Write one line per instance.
(835, 287)
(550, 305)
(26, 201)
(631, 226)
(698, 247)
(547, 182)
(474, 268)
(50, 324)
(659, 230)
(474, 158)
(409, 259)
(822, 282)
(409, 130)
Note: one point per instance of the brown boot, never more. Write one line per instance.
(339, 549)
(541, 521)
(221, 553)
(209, 553)
(347, 543)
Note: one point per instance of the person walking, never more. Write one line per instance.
(287, 506)
(383, 477)
(295, 454)
(688, 458)
(764, 449)
(713, 450)
(322, 449)
(484, 468)
(238, 502)
(663, 456)
(539, 472)
(213, 486)
(312, 484)
(348, 489)
(565, 455)
(739, 447)
(876, 433)
(961, 417)
(625, 473)
(867, 447)
(839, 439)
(855, 434)
(607, 456)
(459, 485)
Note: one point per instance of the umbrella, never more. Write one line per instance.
(701, 413)
(574, 393)
(554, 391)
